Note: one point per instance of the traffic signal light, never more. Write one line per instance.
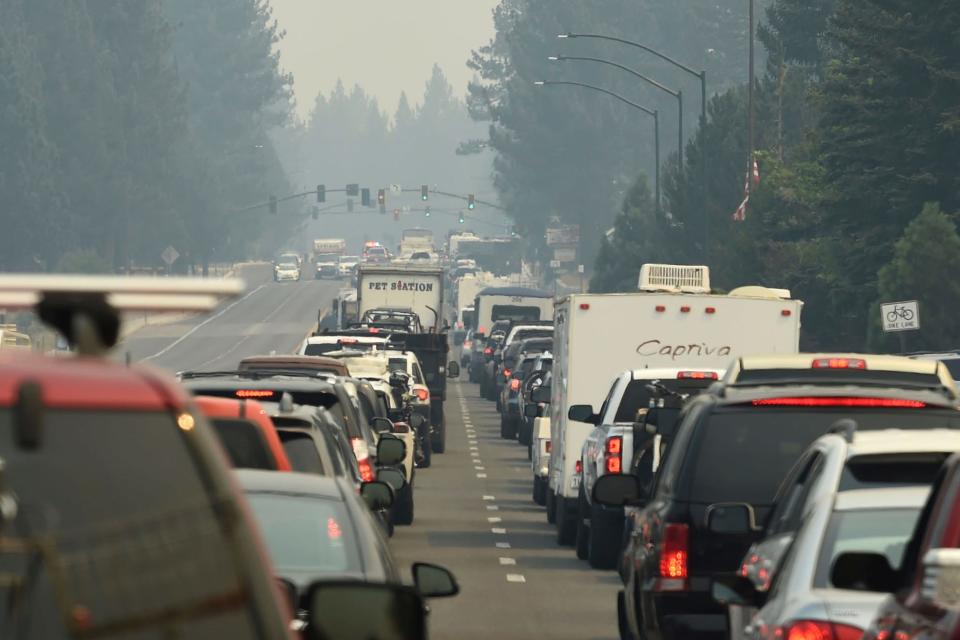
(349, 205)
(424, 192)
(461, 217)
(471, 202)
(365, 197)
(273, 205)
(426, 211)
(321, 193)
(382, 196)
(353, 190)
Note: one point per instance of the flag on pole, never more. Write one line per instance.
(756, 173)
(752, 180)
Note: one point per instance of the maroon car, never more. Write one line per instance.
(924, 601)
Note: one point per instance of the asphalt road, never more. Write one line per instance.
(474, 512)
(271, 316)
(475, 515)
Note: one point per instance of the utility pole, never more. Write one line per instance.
(750, 109)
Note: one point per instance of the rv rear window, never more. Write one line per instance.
(515, 313)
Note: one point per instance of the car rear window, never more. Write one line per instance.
(122, 496)
(743, 454)
(245, 444)
(526, 334)
(884, 531)
(838, 376)
(306, 534)
(515, 313)
(891, 470)
(302, 452)
(637, 396)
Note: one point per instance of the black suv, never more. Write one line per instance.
(731, 447)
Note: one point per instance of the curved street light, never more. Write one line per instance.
(676, 94)
(702, 75)
(650, 112)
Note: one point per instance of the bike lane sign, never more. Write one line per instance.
(900, 316)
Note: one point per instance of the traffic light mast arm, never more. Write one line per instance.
(294, 196)
(464, 198)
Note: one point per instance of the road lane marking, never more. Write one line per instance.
(515, 577)
(480, 468)
(503, 545)
(481, 475)
(489, 497)
(492, 507)
(202, 324)
(494, 520)
(499, 531)
(508, 561)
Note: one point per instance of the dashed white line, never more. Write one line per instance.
(508, 561)
(494, 520)
(499, 531)
(515, 577)
(481, 475)
(479, 468)
(489, 497)
(503, 545)
(492, 507)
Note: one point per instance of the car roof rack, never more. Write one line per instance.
(257, 374)
(87, 310)
(846, 428)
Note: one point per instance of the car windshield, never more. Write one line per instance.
(306, 533)
(288, 266)
(637, 395)
(328, 257)
(883, 531)
(767, 441)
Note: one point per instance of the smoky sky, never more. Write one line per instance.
(387, 46)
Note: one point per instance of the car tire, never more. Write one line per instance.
(622, 625)
(539, 490)
(525, 432)
(566, 523)
(606, 536)
(402, 513)
(504, 428)
(582, 542)
(529, 451)
(551, 505)
(499, 404)
(427, 451)
(438, 441)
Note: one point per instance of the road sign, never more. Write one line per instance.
(900, 316)
(396, 188)
(580, 268)
(169, 255)
(554, 264)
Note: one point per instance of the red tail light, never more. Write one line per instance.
(549, 446)
(818, 630)
(334, 532)
(673, 557)
(506, 373)
(614, 464)
(422, 394)
(366, 470)
(839, 363)
(697, 375)
(254, 393)
(467, 344)
(514, 385)
(578, 467)
(886, 403)
(488, 351)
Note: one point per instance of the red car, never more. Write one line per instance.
(246, 432)
(925, 599)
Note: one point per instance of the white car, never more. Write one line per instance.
(322, 344)
(347, 265)
(286, 271)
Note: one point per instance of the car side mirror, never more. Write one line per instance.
(396, 478)
(583, 413)
(381, 424)
(390, 451)
(433, 581)
(862, 571)
(531, 411)
(378, 495)
(617, 490)
(353, 609)
(941, 576)
(453, 369)
(541, 394)
(736, 590)
(733, 518)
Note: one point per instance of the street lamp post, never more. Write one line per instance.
(650, 112)
(676, 94)
(702, 76)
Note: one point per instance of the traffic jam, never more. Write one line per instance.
(675, 437)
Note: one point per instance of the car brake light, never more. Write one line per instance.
(506, 373)
(673, 557)
(615, 445)
(334, 532)
(684, 309)
(549, 446)
(254, 393)
(366, 470)
(839, 363)
(487, 351)
(514, 385)
(578, 467)
(710, 310)
(422, 394)
(819, 630)
(467, 344)
(697, 375)
(886, 403)
(614, 464)
(660, 308)
(374, 330)
(348, 341)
